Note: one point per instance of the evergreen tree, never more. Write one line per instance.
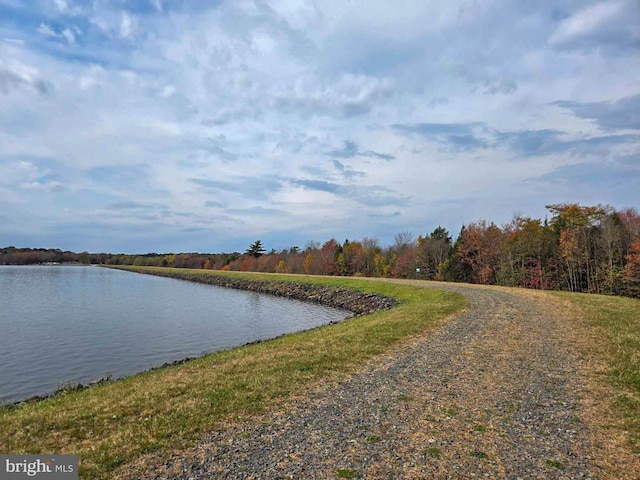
(255, 249)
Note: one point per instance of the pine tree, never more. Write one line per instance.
(255, 249)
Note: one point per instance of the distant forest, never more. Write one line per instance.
(593, 249)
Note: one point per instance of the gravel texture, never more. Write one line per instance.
(497, 392)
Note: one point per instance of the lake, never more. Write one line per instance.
(76, 324)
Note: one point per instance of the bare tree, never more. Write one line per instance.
(402, 241)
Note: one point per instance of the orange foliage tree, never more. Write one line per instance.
(632, 269)
(479, 247)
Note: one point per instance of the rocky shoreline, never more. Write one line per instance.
(358, 303)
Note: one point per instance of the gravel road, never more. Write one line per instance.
(498, 392)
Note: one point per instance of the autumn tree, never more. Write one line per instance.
(632, 269)
(354, 259)
(325, 262)
(404, 263)
(402, 241)
(382, 265)
(575, 226)
(612, 242)
(309, 263)
(528, 254)
(248, 263)
(630, 218)
(295, 262)
(431, 252)
(268, 262)
(478, 250)
(341, 265)
(371, 265)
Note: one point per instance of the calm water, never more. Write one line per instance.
(61, 324)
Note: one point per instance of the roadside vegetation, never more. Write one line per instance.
(617, 327)
(169, 409)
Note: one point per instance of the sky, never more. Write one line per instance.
(201, 126)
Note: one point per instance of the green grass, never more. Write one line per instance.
(373, 439)
(478, 454)
(346, 473)
(433, 452)
(166, 410)
(450, 412)
(555, 464)
(617, 323)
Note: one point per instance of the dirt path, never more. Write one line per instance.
(499, 392)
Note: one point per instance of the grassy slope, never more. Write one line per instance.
(169, 409)
(617, 323)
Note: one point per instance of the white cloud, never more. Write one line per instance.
(48, 187)
(69, 34)
(46, 30)
(588, 21)
(128, 25)
(22, 173)
(399, 20)
(286, 110)
(348, 96)
(168, 91)
(15, 74)
(600, 23)
(62, 5)
(92, 77)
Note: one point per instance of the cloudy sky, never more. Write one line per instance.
(160, 125)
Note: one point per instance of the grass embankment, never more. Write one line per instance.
(169, 409)
(617, 323)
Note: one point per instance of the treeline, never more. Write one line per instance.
(38, 256)
(42, 256)
(580, 249)
(594, 249)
